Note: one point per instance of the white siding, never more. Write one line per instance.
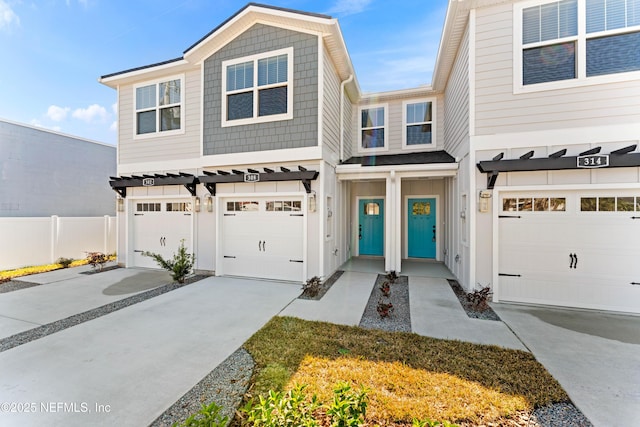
(331, 110)
(498, 110)
(456, 109)
(174, 147)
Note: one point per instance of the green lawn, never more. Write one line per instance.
(409, 376)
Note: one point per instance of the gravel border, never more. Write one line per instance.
(400, 319)
(487, 314)
(14, 285)
(98, 270)
(59, 325)
(324, 287)
(226, 385)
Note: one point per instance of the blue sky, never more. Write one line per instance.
(53, 51)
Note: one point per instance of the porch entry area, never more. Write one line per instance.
(410, 267)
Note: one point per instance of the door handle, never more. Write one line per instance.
(573, 263)
(264, 246)
(360, 232)
(260, 245)
(434, 233)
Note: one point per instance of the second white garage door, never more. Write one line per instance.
(571, 249)
(263, 238)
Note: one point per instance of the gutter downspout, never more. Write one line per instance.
(342, 85)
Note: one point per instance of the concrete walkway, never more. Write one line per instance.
(343, 304)
(436, 312)
(595, 356)
(66, 292)
(126, 368)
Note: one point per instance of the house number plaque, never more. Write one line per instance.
(148, 182)
(593, 161)
(251, 177)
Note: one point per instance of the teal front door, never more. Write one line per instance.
(421, 228)
(371, 227)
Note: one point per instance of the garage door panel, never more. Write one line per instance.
(570, 258)
(263, 243)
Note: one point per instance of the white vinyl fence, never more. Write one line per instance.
(37, 241)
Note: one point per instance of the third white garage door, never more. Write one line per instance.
(263, 238)
(572, 249)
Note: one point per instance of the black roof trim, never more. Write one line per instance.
(282, 9)
(424, 157)
(106, 76)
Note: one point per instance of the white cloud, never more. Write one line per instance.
(56, 113)
(8, 17)
(92, 113)
(35, 122)
(114, 126)
(114, 107)
(348, 7)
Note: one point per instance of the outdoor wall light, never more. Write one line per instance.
(197, 204)
(120, 204)
(208, 202)
(312, 201)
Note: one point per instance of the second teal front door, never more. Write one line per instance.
(421, 228)
(371, 227)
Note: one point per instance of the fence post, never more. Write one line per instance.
(54, 238)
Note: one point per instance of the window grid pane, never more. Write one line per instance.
(240, 76)
(145, 97)
(169, 92)
(272, 101)
(272, 70)
(170, 118)
(419, 134)
(613, 54)
(549, 63)
(240, 106)
(373, 117)
(373, 138)
(146, 122)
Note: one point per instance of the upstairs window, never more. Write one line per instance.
(418, 123)
(258, 88)
(159, 107)
(373, 121)
(549, 42)
(565, 43)
(611, 47)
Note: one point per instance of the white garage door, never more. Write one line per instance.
(571, 249)
(158, 227)
(263, 237)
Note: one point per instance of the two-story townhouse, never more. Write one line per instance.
(542, 107)
(258, 148)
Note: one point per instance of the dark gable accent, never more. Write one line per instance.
(422, 158)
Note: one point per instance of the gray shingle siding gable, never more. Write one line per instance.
(301, 131)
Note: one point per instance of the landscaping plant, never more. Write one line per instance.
(179, 266)
(97, 260)
(312, 287)
(208, 416)
(479, 299)
(282, 409)
(64, 262)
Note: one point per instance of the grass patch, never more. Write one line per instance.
(408, 375)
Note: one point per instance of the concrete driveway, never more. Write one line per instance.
(63, 293)
(127, 367)
(595, 356)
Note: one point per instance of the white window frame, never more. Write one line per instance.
(157, 108)
(432, 122)
(581, 52)
(385, 127)
(258, 119)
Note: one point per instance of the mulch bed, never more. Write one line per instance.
(472, 312)
(399, 319)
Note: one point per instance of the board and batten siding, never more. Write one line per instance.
(301, 131)
(331, 109)
(158, 147)
(499, 110)
(456, 109)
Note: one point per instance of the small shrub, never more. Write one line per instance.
(392, 276)
(97, 260)
(181, 264)
(385, 288)
(64, 262)
(282, 409)
(312, 287)
(208, 416)
(349, 407)
(479, 298)
(384, 308)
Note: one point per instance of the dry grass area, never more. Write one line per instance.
(408, 376)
